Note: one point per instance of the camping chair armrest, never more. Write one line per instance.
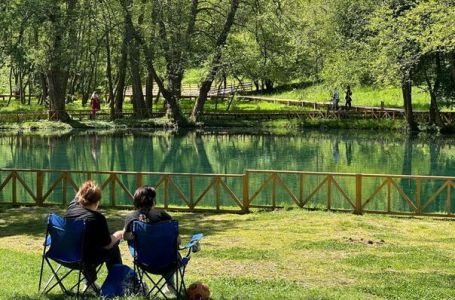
(194, 240)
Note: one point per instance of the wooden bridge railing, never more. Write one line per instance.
(357, 193)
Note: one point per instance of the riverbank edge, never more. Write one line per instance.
(277, 125)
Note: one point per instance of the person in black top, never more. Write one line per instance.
(144, 204)
(99, 245)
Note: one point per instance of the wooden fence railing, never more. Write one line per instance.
(266, 189)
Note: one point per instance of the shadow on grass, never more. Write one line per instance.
(189, 223)
(32, 221)
(50, 297)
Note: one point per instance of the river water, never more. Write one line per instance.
(230, 152)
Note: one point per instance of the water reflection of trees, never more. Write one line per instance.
(198, 152)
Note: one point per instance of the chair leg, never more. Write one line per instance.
(54, 275)
(177, 286)
(157, 285)
(78, 284)
(59, 282)
(182, 287)
(41, 274)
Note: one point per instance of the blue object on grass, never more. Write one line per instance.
(121, 281)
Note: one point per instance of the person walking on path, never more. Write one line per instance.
(94, 104)
(348, 98)
(335, 99)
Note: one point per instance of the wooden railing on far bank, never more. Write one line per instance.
(239, 193)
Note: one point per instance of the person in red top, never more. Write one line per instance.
(94, 104)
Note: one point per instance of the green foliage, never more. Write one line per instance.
(272, 42)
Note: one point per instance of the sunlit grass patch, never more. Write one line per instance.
(292, 254)
(331, 245)
(237, 253)
(362, 95)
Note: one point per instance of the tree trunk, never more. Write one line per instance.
(268, 85)
(406, 88)
(134, 60)
(44, 88)
(452, 61)
(256, 85)
(119, 96)
(57, 72)
(110, 84)
(57, 79)
(138, 96)
(435, 117)
(172, 96)
(10, 81)
(149, 91)
(206, 84)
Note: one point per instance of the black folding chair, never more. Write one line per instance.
(155, 251)
(63, 248)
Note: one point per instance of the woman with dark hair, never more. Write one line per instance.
(99, 246)
(144, 201)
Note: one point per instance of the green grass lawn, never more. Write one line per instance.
(363, 96)
(275, 255)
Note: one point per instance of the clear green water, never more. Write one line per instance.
(224, 153)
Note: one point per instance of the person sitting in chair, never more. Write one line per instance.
(144, 204)
(144, 201)
(99, 246)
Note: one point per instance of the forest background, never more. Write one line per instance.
(61, 51)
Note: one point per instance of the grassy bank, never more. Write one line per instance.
(297, 124)
(363, 96)
(277, 255)
(234, 124)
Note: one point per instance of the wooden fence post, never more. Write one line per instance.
(274, 190)
(358, 194)
(418, 191)
(14, 187)
(218, 192)
(191, 193)
(166, 191)
(39, 188)
(138, 180)
(246, 196)
(113, 179)
(65, 187)
(449, 197)
(329, 192)
(389, 194)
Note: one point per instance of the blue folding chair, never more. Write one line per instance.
(156, 251)
(64, 244)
